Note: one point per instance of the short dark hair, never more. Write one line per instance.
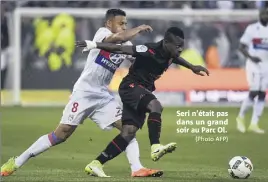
(174, 31)
(110, 13)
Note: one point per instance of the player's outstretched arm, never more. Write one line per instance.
(197, 69)
(114, 48)
(127, 34)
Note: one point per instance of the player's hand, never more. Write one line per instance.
(87, 44)
(80, 43)
(197, 69)
(145, 28)
(255, 59)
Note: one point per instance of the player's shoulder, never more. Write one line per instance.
(153, 46)
(253, 26)
(103, 30)
(147, 46)
(101, 34)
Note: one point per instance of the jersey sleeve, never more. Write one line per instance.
(101, 34)
(129, 57)
(246, 37)
(127, 43)
(142, 50)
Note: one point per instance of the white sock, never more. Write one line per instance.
(257, 111)
(245, 106)
(41, 145)
(133, 155)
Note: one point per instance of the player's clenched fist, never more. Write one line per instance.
(197, 69)
(145, 28)
(87, 44)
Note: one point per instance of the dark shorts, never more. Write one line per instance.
(135, 99)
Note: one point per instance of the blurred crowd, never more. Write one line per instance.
(212, 44)
(211, 4)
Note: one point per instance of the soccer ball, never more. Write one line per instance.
(240, 167)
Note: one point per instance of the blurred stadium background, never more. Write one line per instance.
(30, 77)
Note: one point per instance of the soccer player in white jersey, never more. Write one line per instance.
(254, 46)
(91, 99)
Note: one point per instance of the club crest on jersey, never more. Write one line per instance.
(260, 43)
(109, 61)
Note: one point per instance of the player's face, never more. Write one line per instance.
(118, 24)
(264, 15)
(175, 46)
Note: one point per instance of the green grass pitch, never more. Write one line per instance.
(191, 162)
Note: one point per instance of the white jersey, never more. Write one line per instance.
(256, 38)
(100, 67)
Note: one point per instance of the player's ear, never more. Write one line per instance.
(109, 23)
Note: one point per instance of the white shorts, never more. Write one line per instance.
(257, 79)
(102, 110)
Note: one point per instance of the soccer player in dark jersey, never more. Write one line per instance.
(135, 90)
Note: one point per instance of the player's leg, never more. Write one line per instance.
(118, 144)
(141, 100)
(73, 114)
(109, 116)
(259, 106)
(133, 155)
(154, 123)
(253, 79)
(246, 104)
(104, 117)
(42, 144)
(137, 98)
(61, 133)
(132, 150)
(113, 149)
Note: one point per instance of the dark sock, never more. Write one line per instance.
(114, 148)
(154, 127)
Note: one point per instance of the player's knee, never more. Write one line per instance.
(118, 125)
(155, 106)
(253, 94)
(128, 132)
(261, 96)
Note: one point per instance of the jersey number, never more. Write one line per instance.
(75, 106)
